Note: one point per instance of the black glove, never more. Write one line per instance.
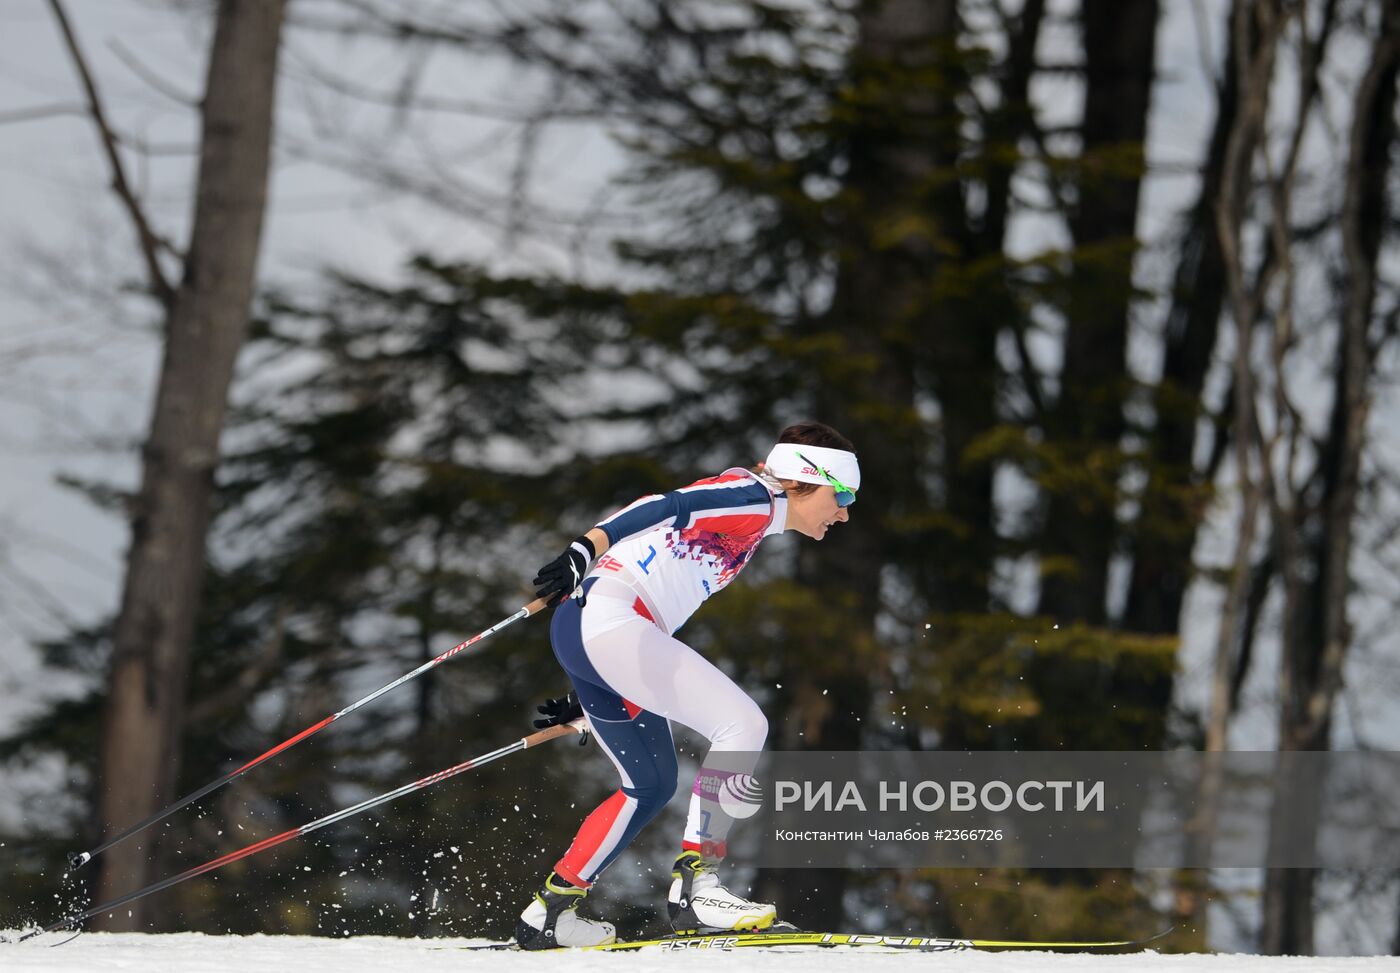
(560, 577)
(556, 712)
(563, 710)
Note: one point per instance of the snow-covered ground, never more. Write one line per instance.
(193, 953)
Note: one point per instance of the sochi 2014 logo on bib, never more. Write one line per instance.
(741, 795)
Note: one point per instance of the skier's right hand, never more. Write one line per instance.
(563, 710)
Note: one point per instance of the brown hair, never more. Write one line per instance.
(809, 433)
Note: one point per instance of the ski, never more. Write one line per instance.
(833, 940)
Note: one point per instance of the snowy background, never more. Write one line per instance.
(189, 953)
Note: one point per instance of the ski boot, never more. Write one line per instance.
(550, 920)
(699, 903)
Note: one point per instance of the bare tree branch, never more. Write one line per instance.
(556, 111)
(150, 242)
(521, 171)
(158, 83)
(41, 112)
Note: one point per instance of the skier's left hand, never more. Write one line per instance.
(559, 711)
(560, 577)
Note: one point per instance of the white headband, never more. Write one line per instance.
(786, 462)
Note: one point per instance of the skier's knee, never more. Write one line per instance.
(654, 790)
(757, 730)
(652, 797)
(747, 731)
(666, 788)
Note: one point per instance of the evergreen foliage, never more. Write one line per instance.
(827, 204)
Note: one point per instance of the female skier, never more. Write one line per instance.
(629, 584)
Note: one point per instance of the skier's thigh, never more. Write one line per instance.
(660, 673)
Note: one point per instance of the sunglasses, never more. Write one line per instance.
(845, 496)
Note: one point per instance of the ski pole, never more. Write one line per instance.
(79, 859)
(533, 740)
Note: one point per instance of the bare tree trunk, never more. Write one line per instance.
(1194, 896)
(1119, 39)
(1395, 937)
(1169, 520)
(1254, 66)
(1312, 662)
(204, 330)
(1173, 502)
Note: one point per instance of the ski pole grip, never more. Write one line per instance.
(550, 732)
(536, 606)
